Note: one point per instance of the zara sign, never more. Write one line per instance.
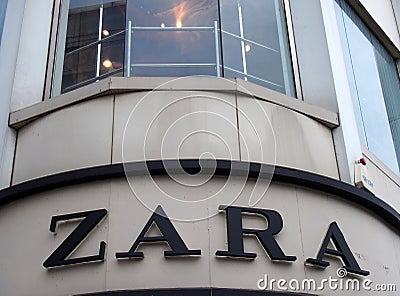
(169, 234)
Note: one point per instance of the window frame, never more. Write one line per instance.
(52, 50)
(379, 35)
(293, 50)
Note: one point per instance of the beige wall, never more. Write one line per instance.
(172, 124)
(386, 183)
(179, 123)
(306, 214)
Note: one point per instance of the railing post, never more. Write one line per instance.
(98, 61)
(128, 49)
(217, 63)
(244, 62)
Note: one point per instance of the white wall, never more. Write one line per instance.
(23, 56)
(8, 60)
(382, 12)
(32, 54)
(323, 75)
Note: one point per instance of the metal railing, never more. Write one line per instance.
(94, 43)
(253, 77)
(98, 44)
(128, 65)
(131, 29)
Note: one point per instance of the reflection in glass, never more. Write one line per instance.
(162, 34)
(390, 82)
(79, 66)
(259, 52)
(232, 48)
(112, 54)
(94, 33)
(374, 85)
(231, 38)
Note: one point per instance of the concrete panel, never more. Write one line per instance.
(396, 242)
(370, 241)
(134, 84)
(29, 243)
(184, 124)
(386, 183)
(75, 137)
(299, 141)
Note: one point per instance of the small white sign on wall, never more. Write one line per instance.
(362, 178)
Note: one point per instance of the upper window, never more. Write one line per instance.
(90, 42)
(375, 87)
(229, 38)
(172, 38)
(254, 43)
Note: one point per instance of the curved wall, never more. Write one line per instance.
(229, 123)
(234, 122)
(306, 214)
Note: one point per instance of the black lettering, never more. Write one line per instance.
(266, 237)
(342, 250)
(169, 236)
(90, 220)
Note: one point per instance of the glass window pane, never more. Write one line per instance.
(370, 84)
(260, 22)
(232, 73)
(230, 17)
(350, 76)
(391, 90)
(112, 55)
(172, 38)
(261, 46)
(83, 28)
(189, 13)
(161, 35)
(265, 64)
(172, 47)
(79, 67)
(80, 53)
(232, 54)
(113, 18)
(173, 71)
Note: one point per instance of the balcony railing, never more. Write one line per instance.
(128, 66)
(130, 30)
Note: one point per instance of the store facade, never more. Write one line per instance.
(199, 148)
